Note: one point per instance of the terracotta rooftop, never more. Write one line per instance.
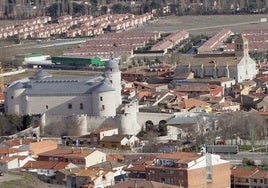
(17, 142)
(68, 153)
(181, 156)
(4, 151)
(137, 168)
(241, 172)
(262, 174)
(142, 184)
(55, 165)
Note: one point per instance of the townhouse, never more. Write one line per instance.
(80, 157)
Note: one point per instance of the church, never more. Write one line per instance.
(238, 66)
(44, 94)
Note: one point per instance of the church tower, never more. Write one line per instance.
(113, 73)
(241, 46)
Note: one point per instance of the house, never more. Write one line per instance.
(80, 157)
(46, 170)
(240, 177)
(14, 162)
(259, 179)
(92, 139)
(125, 142)
(90, 177)
(9, 152)
(117, 168)
(136, 172)
(190, 170)
(142, 184)
(33, 146)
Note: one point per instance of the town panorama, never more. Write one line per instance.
(134, 93)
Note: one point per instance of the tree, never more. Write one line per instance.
(26, 121)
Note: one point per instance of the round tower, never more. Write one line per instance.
(113, 73)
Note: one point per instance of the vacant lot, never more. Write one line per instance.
(206, 24)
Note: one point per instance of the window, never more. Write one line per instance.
(12, 97)
(81, 106)
(46, 106)
(70, 106)
(102, 107)
(181, 173)
(101, 98)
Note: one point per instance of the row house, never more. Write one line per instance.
(46, 168)
(80, 157)
(14, 162)
(33, 146)
(9, 152)
(215, 42)
(240, 177)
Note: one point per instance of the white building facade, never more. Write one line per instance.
(238, 66)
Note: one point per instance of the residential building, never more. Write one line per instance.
(33, 146)
(14, 162)
(125, 142)
(90, 177)
(117, 168)
(80, 157)
(142, 184)
(9, 152)
(240, 177)
(137, 172)
(46, 170)
(190, 170)
(259, 179)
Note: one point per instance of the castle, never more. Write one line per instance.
(91, 101)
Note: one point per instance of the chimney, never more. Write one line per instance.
(72, 149)
(81, 150)
(20, 141)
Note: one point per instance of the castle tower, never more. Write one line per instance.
(241, 46)
(113, 73)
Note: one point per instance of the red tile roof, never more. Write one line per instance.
(137, 168)
(55, 165)
(241, 172)
(68, 153)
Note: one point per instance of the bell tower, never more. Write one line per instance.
(241, 46)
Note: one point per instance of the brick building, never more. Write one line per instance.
(190, 170)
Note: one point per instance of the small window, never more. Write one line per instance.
(46, 106)
(12, 97)
(101, 98)
(103, 107)
(81, 106)
(70, 106)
